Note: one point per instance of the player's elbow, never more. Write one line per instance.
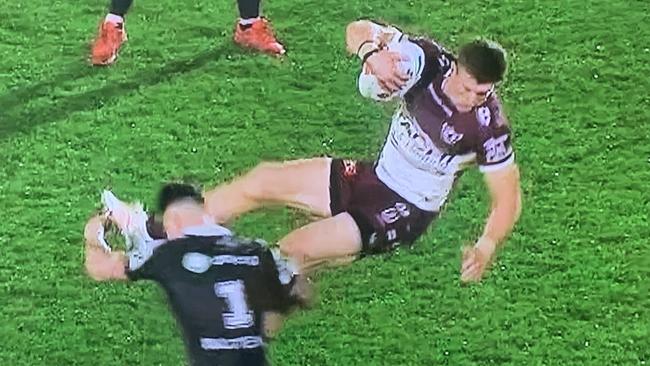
(356, 33)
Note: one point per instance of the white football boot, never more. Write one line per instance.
(130, 218)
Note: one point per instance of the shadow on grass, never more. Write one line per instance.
(20, 111)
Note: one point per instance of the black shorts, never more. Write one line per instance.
(384, 218)
(247, 357)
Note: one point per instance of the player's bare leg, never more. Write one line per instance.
(302, 184)
(333, 241)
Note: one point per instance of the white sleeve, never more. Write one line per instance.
(385, 34)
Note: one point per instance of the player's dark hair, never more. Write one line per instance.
(484, 60)
(173, 192)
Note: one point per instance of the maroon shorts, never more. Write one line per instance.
(384, 218)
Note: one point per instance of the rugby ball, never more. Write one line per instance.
(369, 86)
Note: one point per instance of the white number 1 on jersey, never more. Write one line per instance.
(238, 314)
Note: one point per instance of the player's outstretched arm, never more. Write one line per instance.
(101, 264)
(505, 193)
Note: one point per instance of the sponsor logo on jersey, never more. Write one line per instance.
(483, 115)
(449, 135)
(496, 150)
(417, 148)
(245, 342)
(196, 262)
(237, 260)
(200, 263)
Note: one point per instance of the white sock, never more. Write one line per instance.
(114, 18)
(248, 21)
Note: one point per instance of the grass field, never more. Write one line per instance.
(570, 288)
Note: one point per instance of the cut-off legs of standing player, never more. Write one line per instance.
(251, 31)
(449, 118)
(218, 285)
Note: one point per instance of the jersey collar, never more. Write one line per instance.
(207, 230)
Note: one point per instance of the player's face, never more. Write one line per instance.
(467, 92)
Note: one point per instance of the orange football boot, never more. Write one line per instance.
(259, 36)
(107, 44)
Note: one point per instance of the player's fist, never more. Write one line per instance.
(476, 260)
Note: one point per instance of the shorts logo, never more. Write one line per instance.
(372, 239)
(349, 168)
(391, 235)
(449, 135)
(392, 214)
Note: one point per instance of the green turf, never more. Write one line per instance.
(570, 288)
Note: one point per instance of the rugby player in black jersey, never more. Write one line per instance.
(218, 285)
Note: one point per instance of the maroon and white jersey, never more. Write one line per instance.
(430, 142)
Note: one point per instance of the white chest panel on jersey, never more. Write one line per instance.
(414, 167)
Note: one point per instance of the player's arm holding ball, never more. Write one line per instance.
(391, 64)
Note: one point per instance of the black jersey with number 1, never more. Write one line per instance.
(218, 287)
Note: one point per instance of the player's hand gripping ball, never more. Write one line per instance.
(389, 73)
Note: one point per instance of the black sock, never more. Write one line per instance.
(247, 8)
(120, 7)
